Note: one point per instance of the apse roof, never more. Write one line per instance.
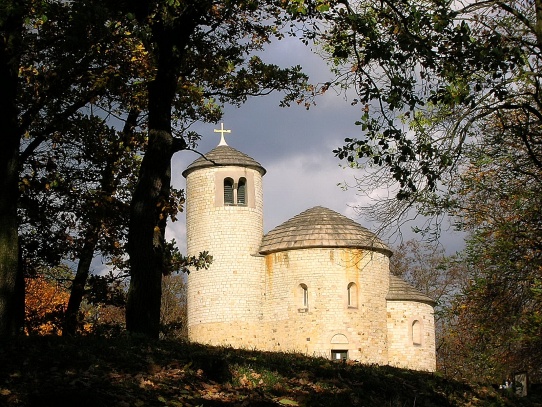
(400, 290)
(223, 155)
(320, 227)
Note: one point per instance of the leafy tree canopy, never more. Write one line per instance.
(498, 204)
(158, 66)
(427, 75)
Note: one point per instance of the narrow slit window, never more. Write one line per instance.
(416, 333)
(352, 295)
(303, 296)
(228, 191)
(241, 192)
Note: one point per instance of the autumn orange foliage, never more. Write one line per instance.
(45, 303)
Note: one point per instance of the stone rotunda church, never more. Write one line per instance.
(318, 284)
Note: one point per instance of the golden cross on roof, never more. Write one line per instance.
(222, 131)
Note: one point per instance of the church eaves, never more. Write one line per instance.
(321, 227)
(400, 290)
(224, 155)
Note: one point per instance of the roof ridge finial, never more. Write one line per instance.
(222, 131)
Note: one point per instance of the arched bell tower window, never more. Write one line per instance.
(228, 191)
(242, 192)
(235, 188)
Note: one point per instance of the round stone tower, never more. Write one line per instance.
(224, 216)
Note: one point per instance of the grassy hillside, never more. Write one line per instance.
(51, 371)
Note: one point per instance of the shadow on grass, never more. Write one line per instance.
(131, 371)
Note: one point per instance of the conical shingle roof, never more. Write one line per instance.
(401, 290)
(221, 156)
(320, 227)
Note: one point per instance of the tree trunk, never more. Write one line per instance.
(80, 280)
(146, 235)
(147, 220)
(11, 292)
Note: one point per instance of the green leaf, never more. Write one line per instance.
(323, 7)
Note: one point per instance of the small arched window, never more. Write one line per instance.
(242, 192)
(352, 295)
(416, 332)
(228, 191)
(303, 296)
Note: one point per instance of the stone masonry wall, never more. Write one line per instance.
(327, 272)
(230, 290)
(406, 348)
